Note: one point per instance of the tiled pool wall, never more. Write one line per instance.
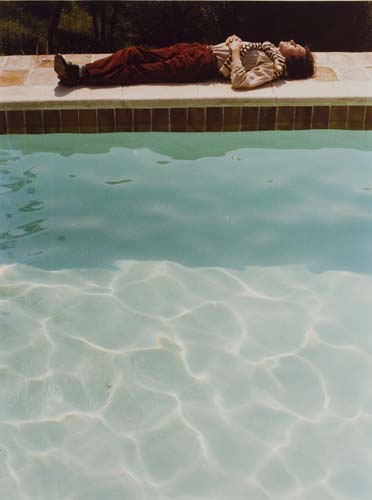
(31, 101)
(185, 119)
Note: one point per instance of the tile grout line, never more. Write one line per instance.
(42, 122)
(345, 123)
(6, 123)
(329, 116)
(28, 77)
(364, 118)
(293, 118)
(96, 117)
(276, 118)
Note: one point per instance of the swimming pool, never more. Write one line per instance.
(186, 316)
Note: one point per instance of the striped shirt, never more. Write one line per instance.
(259, 63)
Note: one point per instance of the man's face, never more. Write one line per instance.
(291, 49)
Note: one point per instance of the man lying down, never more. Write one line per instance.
(246, 64)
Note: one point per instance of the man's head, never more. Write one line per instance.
(299, 60)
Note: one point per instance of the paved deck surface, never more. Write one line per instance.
(32, 102)
(29, 82)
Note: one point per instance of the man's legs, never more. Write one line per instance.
(183, 62)
(107, 67)
(133, 55)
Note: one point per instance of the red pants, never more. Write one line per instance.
(182, 62)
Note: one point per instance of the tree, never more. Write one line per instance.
(53, 24)
(104, 19)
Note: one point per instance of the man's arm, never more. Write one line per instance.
(243, 79)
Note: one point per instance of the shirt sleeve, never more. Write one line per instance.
(258, 75)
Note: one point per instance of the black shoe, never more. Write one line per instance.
(68, 73)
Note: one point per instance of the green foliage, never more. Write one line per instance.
(16, 38)
(23, 27)
(74, 30)
(76, 20)
(105, 26)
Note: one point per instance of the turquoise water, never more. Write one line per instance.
(186, 316)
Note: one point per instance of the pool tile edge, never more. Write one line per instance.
(185, 119)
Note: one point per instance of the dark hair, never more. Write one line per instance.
(301, 66)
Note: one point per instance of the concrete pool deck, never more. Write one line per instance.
(31, 101)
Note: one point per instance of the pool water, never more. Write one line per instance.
(186, 316)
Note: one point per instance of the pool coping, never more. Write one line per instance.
(31, 101)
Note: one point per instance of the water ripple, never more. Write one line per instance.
(155, 381)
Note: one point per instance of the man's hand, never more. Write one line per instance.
(235, 45)
(231, 38)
